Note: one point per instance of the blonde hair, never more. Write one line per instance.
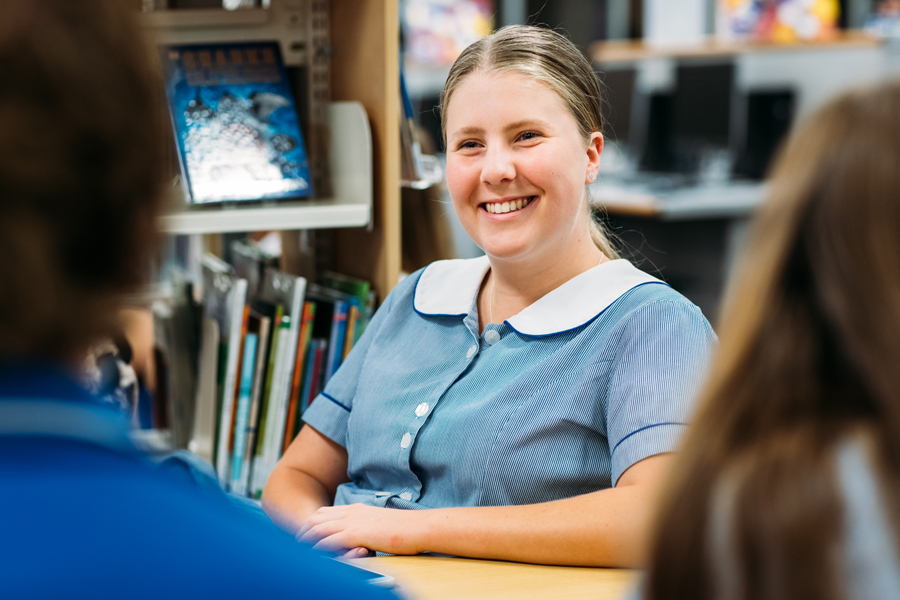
(550, 58)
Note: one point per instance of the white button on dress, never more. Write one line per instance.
(406, 496)
(492, 337)
(422, 409)
(471, 351)
(405, 442)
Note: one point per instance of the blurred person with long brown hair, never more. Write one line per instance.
(83, 512)
(788, 483)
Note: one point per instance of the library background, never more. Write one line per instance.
(307, 174)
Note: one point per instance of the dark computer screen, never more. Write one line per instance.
(691, 119)
(702, 104)
(770, 114)
(619, 104)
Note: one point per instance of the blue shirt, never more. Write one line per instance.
(83, 514)
(557, 401)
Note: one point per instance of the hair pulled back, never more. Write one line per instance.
(545, 56)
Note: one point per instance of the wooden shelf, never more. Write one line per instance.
(286, 21)
(203, 18)
(365, 39)
(362, 48)
(633, 51)
(350, 206)
(282, 216)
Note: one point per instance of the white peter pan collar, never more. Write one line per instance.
(447, 288)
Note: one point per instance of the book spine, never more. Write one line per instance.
(279, 412)
(238, 301)
(261, 468)
(203, 442)
(336, 343)
(308, 377)
(266, 403)
(281, 415)
(350, 337)
(318, 370)
(287, 376)
(270, 373)
(259, 371)
(221, 370)
(299, 364)
(243, 412)
(237, 388)
(322, 368)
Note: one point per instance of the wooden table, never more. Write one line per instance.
(445, 578)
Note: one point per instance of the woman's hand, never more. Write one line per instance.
(352, 528)
(304, 480)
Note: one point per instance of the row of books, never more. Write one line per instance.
(269, 343)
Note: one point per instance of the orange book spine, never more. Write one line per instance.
(302, 345)
(352, 319)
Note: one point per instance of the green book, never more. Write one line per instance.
(349, 285)
(270, 373)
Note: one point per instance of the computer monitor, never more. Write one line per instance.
(703, 107)
(619, 85)
(770, 113)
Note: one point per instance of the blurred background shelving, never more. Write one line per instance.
(341, 56)
(695, 111)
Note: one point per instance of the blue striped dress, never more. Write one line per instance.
(559, 400)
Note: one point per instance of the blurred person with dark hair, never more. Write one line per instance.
(82, 512)
(788, 484)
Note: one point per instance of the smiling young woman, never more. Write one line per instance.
(517, 166)
(528, 399)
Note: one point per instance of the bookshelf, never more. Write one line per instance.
(350, 205)
(362, 47)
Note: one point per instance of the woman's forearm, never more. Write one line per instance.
(608, 528)
(304, 480)
(291, 496)
(605, 528)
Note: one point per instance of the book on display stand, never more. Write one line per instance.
(235, 123)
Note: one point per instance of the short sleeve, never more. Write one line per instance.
(662, 357)
(330, 410)
(872, 567)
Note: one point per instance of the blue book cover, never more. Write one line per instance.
(338, 333)
(235, 122)
(243, 412)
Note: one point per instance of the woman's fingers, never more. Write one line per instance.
(338, 542)
(344, 528)
(321, 516)
(358, 552)
(318, 532)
